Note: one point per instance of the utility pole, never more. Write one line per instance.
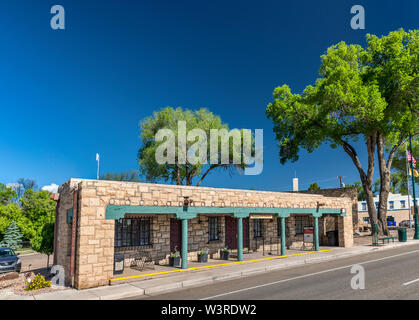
(408, 190)
(340, 180)
(416, 236)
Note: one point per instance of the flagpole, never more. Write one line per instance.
(416, 236)
(408, 189)
(98, 159)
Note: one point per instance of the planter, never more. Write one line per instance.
(174, 262)
(225, 255)
(203, 257)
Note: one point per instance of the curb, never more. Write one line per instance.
(139, 289)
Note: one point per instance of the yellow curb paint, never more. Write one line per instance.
(217, 265)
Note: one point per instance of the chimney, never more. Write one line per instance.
(295, 185)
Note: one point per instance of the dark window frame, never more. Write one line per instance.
(257, 228)
(133, 232)
(300, 222)
(214, 228)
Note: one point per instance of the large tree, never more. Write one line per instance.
(367, 95)
(184, 172)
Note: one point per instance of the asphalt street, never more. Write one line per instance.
(390, 274)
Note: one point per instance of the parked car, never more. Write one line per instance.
(407, 223)
(9, 261)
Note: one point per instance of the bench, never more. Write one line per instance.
(141, 259)
(387, 239)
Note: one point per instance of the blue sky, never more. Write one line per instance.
(68, 94)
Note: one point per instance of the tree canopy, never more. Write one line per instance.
(183, 172)
(367, 95)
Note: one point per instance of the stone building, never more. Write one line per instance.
(96, 219)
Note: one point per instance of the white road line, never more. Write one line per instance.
(410, 282)
(309, 275)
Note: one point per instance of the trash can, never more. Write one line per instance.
(333, 238)
(402, 234)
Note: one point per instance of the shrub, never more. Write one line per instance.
(38, 282)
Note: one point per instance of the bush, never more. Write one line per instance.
(38, 283)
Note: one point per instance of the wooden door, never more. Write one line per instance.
(231, 233)
(175, 235)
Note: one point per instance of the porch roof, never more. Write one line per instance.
(119, 211)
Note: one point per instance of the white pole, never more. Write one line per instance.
(408, 192)
(98, 159)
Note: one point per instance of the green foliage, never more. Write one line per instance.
(179, 173)
(399, 167)
(314, 187)
(33, 215)
(6, 194)
(44, 240)
(129, 175)
(38, 282)
(366, 94)
(12, 238)
(360, 189)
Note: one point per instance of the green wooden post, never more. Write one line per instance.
(283, 237)
(316, 233)
(184, 243)
(240, 239)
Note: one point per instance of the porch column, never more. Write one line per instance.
(184, 243)
(240, 239)
(316, 233)
(283, 237)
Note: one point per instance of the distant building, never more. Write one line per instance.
(397, 209)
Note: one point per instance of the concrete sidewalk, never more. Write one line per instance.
(189, 278)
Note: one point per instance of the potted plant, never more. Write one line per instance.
(225, 253)
(203, 255)
(174, 258)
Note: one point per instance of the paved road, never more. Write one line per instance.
(390, 274)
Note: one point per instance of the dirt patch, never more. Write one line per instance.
(16, 283)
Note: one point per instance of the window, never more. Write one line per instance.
(133, 232)
(402, 204)
(257, 228)
(214, 229)
(364, 206)
(391, 204)
(301, 222)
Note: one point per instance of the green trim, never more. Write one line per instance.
(70, 216)
(184, 243)
(240, 239)
(316, 233)
(114, 212)
(283, 237)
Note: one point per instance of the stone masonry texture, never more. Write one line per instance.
(94, 250)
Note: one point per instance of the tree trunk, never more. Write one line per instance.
(366, 178)
(385, 177)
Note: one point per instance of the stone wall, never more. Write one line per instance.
(351, 193)
(95, 234)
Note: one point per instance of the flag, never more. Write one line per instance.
(409, 158)
(415, 173)
(97, 156)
